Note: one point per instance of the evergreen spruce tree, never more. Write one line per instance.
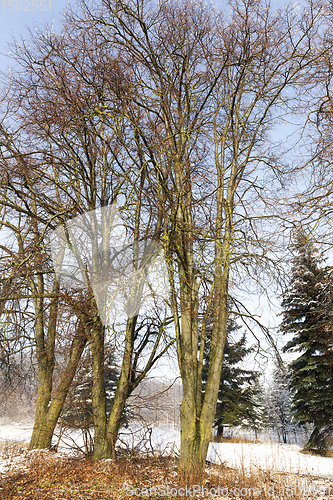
(256, 417)
(307, 316)
(279, 405)
(235, 403)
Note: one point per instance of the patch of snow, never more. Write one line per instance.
(163, 439)
(270, 456)
(13, 464)
(16, 431)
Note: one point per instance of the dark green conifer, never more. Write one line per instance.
(307, 316)
(235, 404)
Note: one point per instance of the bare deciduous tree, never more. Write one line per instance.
(205, 91)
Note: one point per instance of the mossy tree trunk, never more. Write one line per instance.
(124, 388)
(47, 419)
(48, 407)
(96, 343)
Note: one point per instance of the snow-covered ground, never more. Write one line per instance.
(265, 456)
(270, 456)
(166, 439)
(16, 431)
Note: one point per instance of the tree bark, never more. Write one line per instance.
(48, 414)
(96, 343)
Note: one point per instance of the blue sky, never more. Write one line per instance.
(15, 22)
(16, 16)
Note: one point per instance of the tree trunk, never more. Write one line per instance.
(192, 446)
(123, 389)
(47, 415)
(106, 432)
(220, 429)
(45, 372)
(96, 342)
(197, 419)
(45, 356)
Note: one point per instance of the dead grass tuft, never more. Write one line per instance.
(318, 453)
(12, 449)
(231, 439)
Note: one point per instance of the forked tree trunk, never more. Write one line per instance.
(45, 356)
(48, 411)
(106, 431)
(197, 420)
(123, 388)
(197, 416)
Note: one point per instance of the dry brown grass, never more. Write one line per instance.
(11, 449)
(232, 439)
(318, 453)
(55, 477)
(50, 476)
